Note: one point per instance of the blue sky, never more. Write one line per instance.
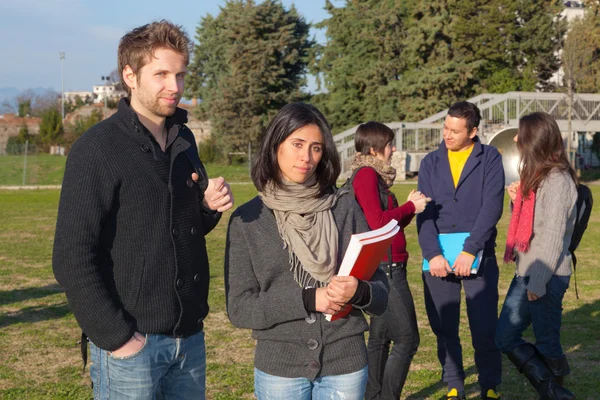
(33, 33)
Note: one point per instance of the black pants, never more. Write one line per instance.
(388, 370)
(442, 301)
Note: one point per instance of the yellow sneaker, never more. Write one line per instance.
(454, 394)
(490, 394)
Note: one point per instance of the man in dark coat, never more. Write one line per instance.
(465, 180)
(130, 250)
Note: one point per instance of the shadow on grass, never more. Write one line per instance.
(35, 314)
(18, 295)
(579, 331)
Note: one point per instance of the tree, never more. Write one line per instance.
(250, 60)
(362, 61)
(580, 57)
(51, 127)
(24, 108)
(36, 104)
(405, 60)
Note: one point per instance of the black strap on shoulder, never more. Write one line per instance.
(383, 191)
(383, 200)
(574, 258)
(83, 347)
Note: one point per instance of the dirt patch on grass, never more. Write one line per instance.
(226, 344)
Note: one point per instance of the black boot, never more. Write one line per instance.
(559, 368)
(530, 364)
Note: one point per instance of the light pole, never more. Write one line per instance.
(107, 79)
(62, 89)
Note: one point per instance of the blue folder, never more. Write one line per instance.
(452, 245)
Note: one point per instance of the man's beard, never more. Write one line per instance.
(162, 110)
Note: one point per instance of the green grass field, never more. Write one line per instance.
(39, 354)
(46, 169)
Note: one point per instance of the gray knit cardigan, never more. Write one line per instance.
(262, 295)
(553, 223)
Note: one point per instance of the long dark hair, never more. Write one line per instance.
(289, 119)
(542, 149)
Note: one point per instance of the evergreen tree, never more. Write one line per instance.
(580, 58)
(51, 127)
(363, 61)
(250, 60)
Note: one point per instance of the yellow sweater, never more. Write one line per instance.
(457, 160)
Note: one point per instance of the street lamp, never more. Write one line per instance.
(107, 79)
(62, 89)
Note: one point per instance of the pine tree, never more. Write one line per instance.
(362, 61)
(580, 58)
(51, 127)
(250, 60)
(439, 72)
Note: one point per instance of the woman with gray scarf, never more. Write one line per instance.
(284, 248)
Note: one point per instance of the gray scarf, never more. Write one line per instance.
(307, 228)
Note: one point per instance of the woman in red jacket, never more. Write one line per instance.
(372, 177)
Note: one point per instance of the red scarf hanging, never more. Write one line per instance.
(520, 229)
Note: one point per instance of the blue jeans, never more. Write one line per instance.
(544, 314)
(348, 387)
(171, 368)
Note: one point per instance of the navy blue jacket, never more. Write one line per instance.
(475, 205)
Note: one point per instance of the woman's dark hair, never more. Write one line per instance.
(542, 149)
(289, 119)
(372, 134)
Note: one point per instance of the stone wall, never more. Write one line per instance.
(10, 124)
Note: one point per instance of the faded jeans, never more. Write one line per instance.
(167, 367)
(348, 387)
(544, 314)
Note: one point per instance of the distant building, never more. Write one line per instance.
(573, 9)
(108, 92)
(71, 96)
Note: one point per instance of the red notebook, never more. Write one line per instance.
(363, 255)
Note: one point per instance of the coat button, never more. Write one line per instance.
(179, 283)
(175, 232)
(454, 225)
(196, 278)
(311, 319)
(193, 231)
(314, 365)
(145, 148)
(189, 183)
(312, 344)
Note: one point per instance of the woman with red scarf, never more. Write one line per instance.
(542, 221)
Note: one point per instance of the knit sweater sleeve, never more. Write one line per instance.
(250, 305)
(553, 202)
(426, 221)
(86, 200)
(366, 190)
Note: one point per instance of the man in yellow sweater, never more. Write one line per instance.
(465, 180)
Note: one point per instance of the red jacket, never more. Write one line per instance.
(366, 190)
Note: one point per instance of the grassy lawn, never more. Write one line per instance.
(39, 354)
(46, 169)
